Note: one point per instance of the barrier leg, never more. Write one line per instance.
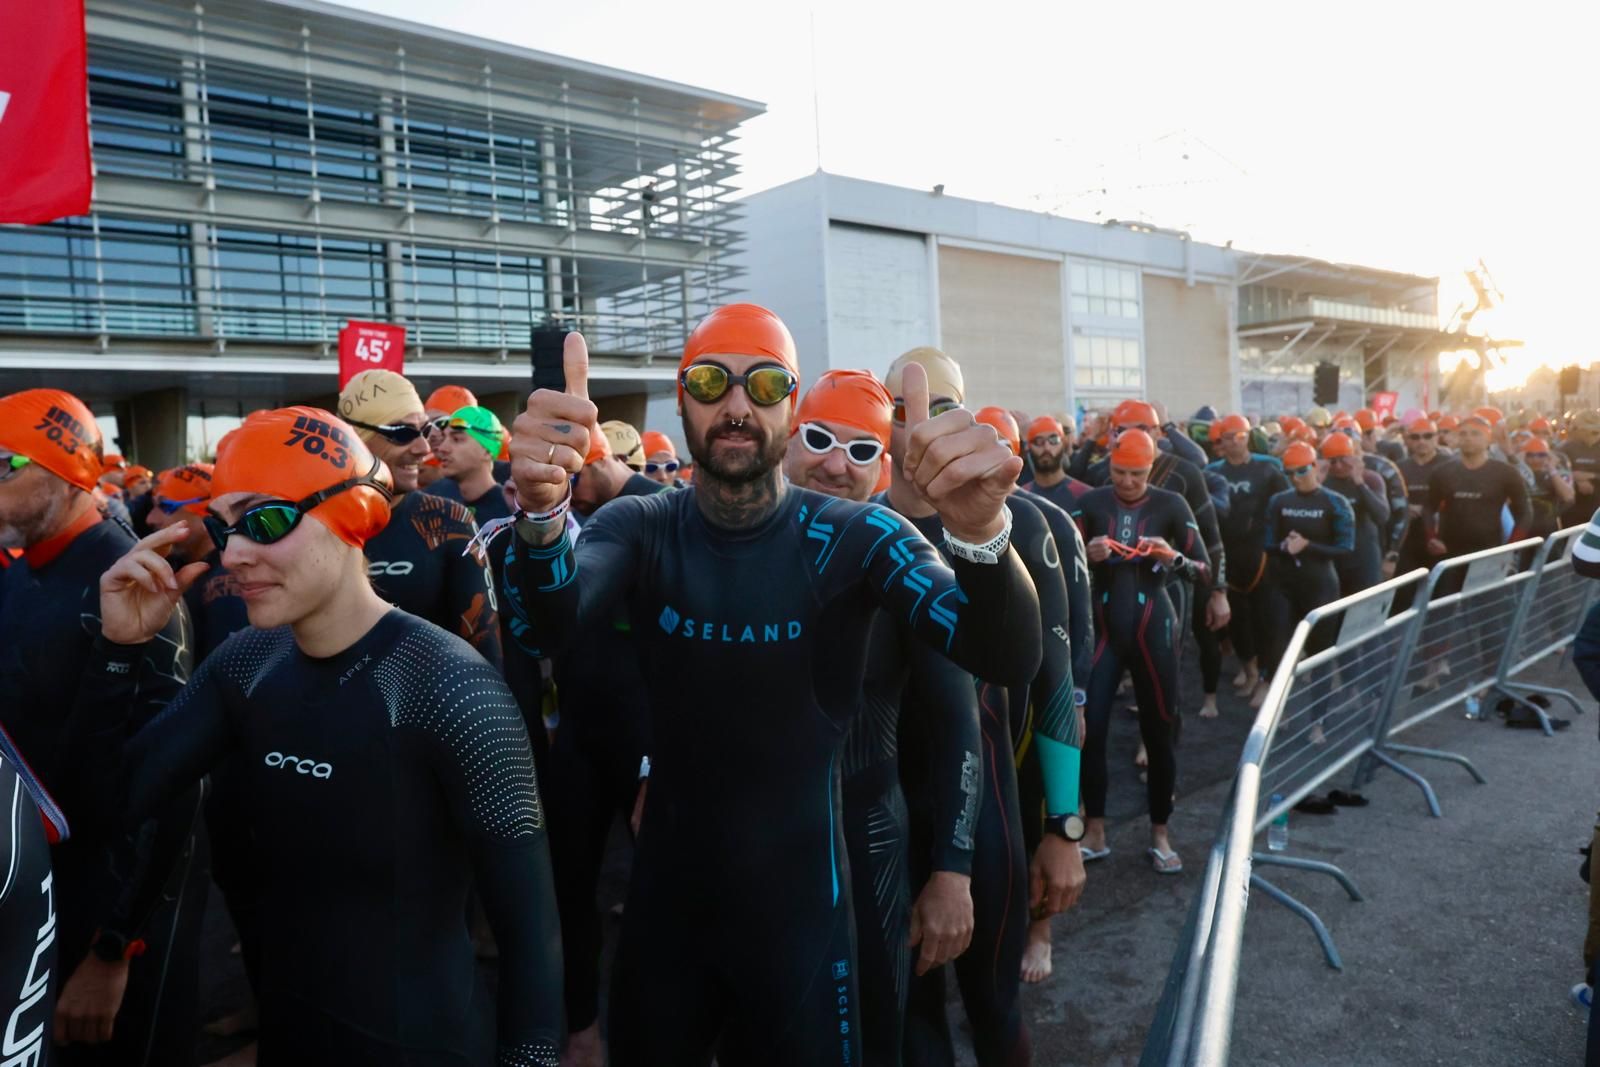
(1509, 689)
(1448, 757)
(1403, 771)
(1274, 859)
(1325, 939)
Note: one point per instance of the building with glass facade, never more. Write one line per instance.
(267, 169)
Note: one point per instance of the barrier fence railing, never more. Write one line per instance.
(1356, 674)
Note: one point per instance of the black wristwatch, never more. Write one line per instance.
(1071, 827)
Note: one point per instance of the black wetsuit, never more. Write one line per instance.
(29, 822)
(382, 781)
(1362, 568)
(417, 564)
(145, 885)
(1464, 505)
(1064, 494)
(1136, 625)
(1041, 721)
(1308, 579)
(1250, 485)
(1418, 476)
(1583, 459)
(753, 644)
(1392, 530)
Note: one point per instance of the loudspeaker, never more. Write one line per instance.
(1325, 384)
(548, 342)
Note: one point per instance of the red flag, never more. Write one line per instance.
(44, 120)
(1383, 404)
(370, 346)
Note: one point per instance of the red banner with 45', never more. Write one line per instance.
(370, 346)
(44, 121)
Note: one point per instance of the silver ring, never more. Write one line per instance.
(552, 456)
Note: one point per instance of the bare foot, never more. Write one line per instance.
(585, 1048)
(242, 1021)
(245, 1057)
(1036, 957)
(1208, 710)
(1142, 759)
(1242, 679)
(1259, 697)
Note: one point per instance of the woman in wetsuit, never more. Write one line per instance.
(388, 768)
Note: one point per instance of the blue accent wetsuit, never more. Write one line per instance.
(1251, 485)
(1309, 579)
(753, 644)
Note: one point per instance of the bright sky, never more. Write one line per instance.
(1409, 136)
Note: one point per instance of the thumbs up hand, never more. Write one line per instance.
(959, 465)
(551, 438)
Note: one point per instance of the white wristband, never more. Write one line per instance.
(984, 553)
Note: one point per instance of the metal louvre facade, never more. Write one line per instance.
(267, 170)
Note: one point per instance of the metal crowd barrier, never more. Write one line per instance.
(1356, 674)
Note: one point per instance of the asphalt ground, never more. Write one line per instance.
(1462, 953)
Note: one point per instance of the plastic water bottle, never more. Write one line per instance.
(1278, 829)
(1474, 708)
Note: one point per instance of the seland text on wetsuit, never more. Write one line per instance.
(1136, 626)
(1308, 579)
(382, 781)
(743, 820)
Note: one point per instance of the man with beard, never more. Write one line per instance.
(1466, 496)
(755, 599)
(1424, 459)
(1048, 445)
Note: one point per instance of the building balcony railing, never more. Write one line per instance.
(1255, 311)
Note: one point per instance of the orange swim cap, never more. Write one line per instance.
(1046, 424)
(1449, 422)
(1134, 413)
(291, 453)
(1537, 444)
(654, 441)
(1134, 450)
(55, 430)
(448, 398)
(1299, 454)
(1367, 419)
(1337, 445)
(851, 398)
(1422, 426)
(135, 472)
(1230, 424)
(742, 330)
(190, 482)
(1004, 424)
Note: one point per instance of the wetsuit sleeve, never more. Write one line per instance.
(1082, 460)
(1517, 501)
(1191, 546)
(1205, 517)
(470, 600)
(1371, 491)
(1058, 734)
(550, 590)
(1342, 518)
(1080, 595)
(1221, 496)
(984, 616)
(1586, 553)
(1272, 533)
(947, 699)
(1183, 445)
(1394, 525)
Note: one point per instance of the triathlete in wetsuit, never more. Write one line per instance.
(1252, 480)
(1465, 497)
(389, 768)
(1549, 490)
(30, 822)
(114, 894)
(1364, 489)
(1392, 531)
(1307, 529)
(472, 440)
(1582, 449)
(1047, 448)
(767, 592)
(1136, 626)
(841, 438)
(1422, 462)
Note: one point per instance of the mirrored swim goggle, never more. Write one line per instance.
(766, 386)
(274, 520)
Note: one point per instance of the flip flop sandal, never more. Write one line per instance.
(1348, 800)
(1315, 805)
(1092, 854)
(1164, 862)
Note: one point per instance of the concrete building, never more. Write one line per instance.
(1044, 313)
(268, 169)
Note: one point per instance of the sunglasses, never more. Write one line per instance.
(1419, 437)
(819, 441)
(396, 432)
(670, 466)
(935, 409)
(433, 426)
(271, 522)
(709, 382)
(1045, 439)
(169, 507)
(1296, 472)
(12, 465)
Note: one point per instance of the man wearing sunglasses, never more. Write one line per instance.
(1252, 481)
(1363, 488)
(1392, 530)
(840, 447)
(1549, 491)
(1049, 444)
(1466, 496)
(753, 600)
(110, 986)
(660, 458)
(1423, 459)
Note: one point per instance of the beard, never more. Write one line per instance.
(39, 523)
(1046, 463)
(735, 468)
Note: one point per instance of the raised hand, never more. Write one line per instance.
(959, 465)
(550, 439)
(139, 591)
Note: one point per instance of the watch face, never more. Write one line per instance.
(1075, 827)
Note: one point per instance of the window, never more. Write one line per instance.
(1106, 361)
(449, 165)
(137, 117)
(270, 285)
(1101, 290)
(262, 136)
(48, 278)
(464, 298)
